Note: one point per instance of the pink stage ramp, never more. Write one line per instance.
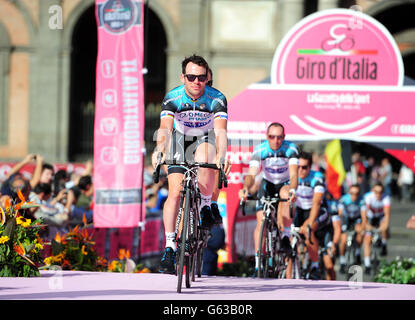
(64, 285)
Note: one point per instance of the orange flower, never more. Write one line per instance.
(7, 203)
(84, 219)
(19, 249)
(85, 253)
(121, 254)
(58, 237)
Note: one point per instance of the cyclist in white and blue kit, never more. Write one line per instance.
(351, 208)
(278, 159)
(311, 210)
(376, 215)
(193, 127)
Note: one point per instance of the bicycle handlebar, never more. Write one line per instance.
(222, 176)
(242, 202)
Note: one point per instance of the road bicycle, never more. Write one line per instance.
(191, 238)
(296, 255)
(269, 249)
(375, 253)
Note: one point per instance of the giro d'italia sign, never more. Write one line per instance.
(344, 47)
(337, 74)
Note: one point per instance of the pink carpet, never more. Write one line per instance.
(79, 285)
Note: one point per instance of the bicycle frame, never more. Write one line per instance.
(192, 239)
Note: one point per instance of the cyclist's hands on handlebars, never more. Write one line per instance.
(226, 165)
(154, 158)
(243, 194)
(291, 196)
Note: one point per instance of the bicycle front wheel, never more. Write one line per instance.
(183, 240)
(263, 253)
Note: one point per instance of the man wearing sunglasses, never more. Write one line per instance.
(351, 207)
(193, 124)
(311, 210)
(278, 159)
(376, 215)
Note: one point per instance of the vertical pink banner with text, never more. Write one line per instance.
(119, 114)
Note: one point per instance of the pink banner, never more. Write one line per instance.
(119, 114)
(315, 113)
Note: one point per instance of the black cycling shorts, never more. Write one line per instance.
(182, 148)
(301, 215)
(268, 189)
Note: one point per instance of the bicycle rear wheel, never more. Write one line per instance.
(188, 262)
(183, 239)
(263, 253)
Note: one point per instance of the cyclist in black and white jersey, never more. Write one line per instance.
(278, 159)
(311, 210)
(351, 208)
(193, 126)
(376, 215)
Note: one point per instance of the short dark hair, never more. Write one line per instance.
(276, 124)
(84, 182)
(48, 166)
(379, 184)
(46, 188)
(200, 61)
(306, 155)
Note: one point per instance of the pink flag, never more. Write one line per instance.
(119, 114)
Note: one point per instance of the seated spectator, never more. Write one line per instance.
(59, 181)
(156, 194)
(79, 200)
(210, 253)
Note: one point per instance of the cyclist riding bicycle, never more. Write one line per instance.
(351, 207)
(311, 210)
(193, 127)
(279, 161)
(376, 215)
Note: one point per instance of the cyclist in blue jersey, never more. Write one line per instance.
(193, 127)
(376, 215)
(351, 207)
(311, 210)
(278, 159)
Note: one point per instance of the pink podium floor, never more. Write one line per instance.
(79, 285)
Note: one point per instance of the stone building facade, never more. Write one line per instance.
(48, 54)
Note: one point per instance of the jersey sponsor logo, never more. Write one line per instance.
(276, 170)
(195, 124)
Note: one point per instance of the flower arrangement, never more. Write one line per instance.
(20, 244)
(74, 251)
(125, 264)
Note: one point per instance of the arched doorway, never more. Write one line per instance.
(396, 16)
(155, 80)
(82, 83)
(82, 87)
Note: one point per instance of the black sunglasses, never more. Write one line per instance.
(304, 167)
(192, 77)
(272, 137)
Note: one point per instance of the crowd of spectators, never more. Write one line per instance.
(63, 197)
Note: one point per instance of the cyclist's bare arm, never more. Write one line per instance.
(220, 127)
(315, 209)
(293, 169)
(248, 181)
(387, 211)
(163, 138)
